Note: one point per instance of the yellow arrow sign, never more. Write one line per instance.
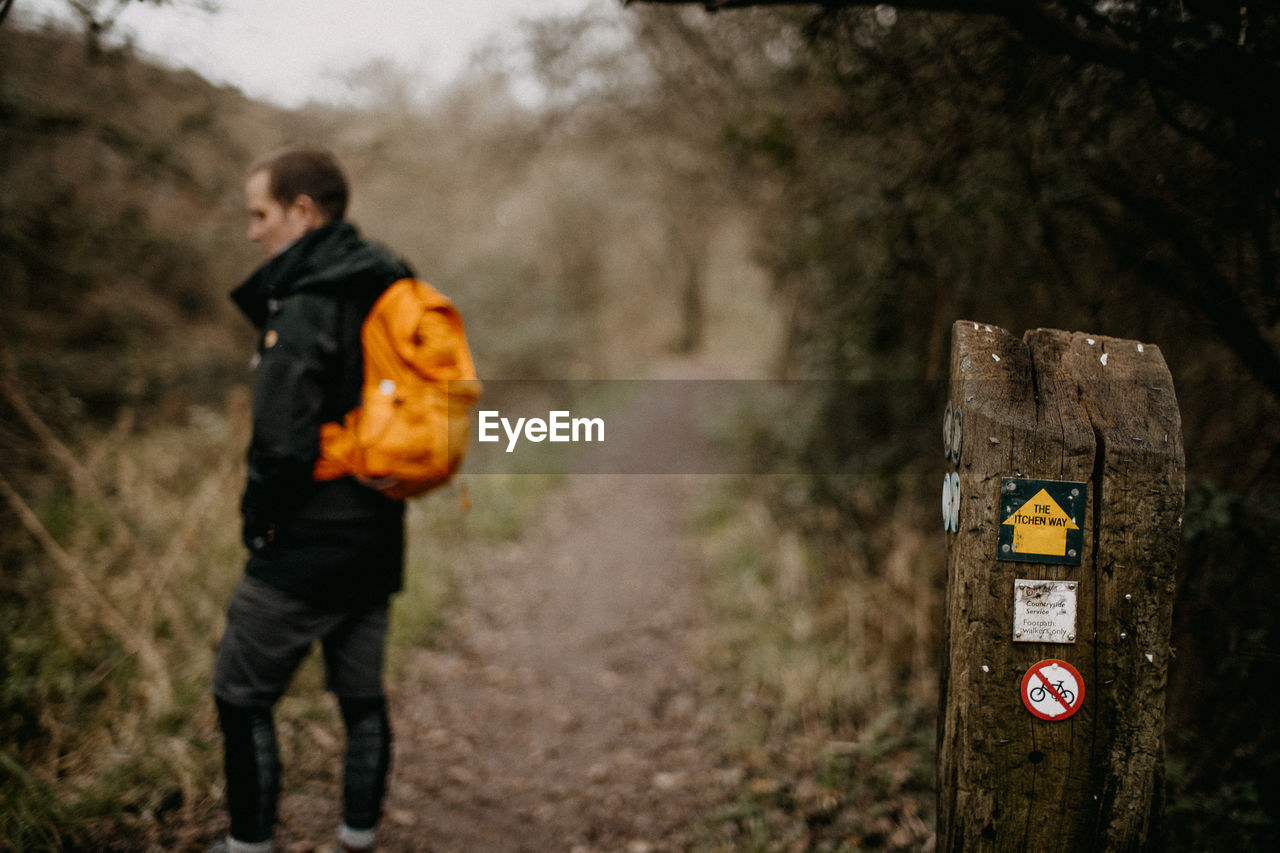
(1040, 526)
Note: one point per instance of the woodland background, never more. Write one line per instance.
(886, 172)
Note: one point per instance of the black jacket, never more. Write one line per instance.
(333, 543)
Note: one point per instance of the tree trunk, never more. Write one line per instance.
(1096, 417)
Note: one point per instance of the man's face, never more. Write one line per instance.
(272, 225)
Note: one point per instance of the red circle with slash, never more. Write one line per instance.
(1052, 690)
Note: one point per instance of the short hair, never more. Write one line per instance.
(306, 170)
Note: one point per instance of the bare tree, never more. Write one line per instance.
(99, 17)
(1210, 72)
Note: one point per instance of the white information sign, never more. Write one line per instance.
(1044, 611)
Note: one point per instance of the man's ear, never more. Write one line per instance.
(308, 212)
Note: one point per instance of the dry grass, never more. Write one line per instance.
(832, 657)
(110, 649)
(117, 612)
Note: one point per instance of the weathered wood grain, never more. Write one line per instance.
(1050, 407)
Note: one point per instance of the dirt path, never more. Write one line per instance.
(566, 710)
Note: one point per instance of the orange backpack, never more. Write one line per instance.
(410, 431)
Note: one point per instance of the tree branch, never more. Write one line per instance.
(1217, 73)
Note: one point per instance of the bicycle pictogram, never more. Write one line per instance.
(1040, 692)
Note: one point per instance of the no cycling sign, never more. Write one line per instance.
(1052, 690)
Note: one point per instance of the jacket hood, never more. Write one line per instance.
(330, 259)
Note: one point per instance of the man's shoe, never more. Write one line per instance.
(356, 840)
(226, 845)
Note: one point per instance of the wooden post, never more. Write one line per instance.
(1025, 762)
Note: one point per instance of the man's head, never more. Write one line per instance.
(292, 192)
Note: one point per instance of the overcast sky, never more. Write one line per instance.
(289, 51)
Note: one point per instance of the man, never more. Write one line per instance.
(324, 557)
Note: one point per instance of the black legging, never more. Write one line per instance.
(252, 760)
(364, 776)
